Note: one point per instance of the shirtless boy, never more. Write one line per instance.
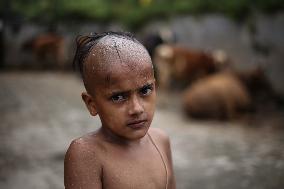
(124, 153)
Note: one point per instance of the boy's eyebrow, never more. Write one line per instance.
(146, 85)
(151, 83)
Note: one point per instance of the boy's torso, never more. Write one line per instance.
(140, 167)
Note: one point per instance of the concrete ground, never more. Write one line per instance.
(40, 113)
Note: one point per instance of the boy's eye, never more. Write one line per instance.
(118, 97)
(146, 90)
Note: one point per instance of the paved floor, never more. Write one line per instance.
(40, 113)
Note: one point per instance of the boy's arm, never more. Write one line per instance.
(81, 167)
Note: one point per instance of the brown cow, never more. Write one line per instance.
(220, 96)
(224, 94)
(184, 65)
(48, 49)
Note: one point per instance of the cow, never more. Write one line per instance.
(229, 93)
(219, 96)
(184, 65)
(48, 49)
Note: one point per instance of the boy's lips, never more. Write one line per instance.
(136, 124)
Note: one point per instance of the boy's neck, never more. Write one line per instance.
(112, 138)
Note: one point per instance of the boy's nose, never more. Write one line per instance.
(135, 106)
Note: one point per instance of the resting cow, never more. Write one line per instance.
(220, 96)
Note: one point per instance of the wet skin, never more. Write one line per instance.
(125, 103)
(120, 154)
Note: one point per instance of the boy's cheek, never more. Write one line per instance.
(152, 100)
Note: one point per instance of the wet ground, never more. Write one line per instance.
(40, 113)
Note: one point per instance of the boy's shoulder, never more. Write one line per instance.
(158, 132)
(159, 136)
(87, 145)
(83, 161)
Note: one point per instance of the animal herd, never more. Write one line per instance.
(211, 87)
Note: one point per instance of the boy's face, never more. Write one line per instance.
(122, 92)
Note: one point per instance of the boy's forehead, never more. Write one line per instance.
(118, 50)
(138, 74)
(114, 58)
(118, 75)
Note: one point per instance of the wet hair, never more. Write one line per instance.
(86, 43)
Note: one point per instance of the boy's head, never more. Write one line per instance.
(118, 75)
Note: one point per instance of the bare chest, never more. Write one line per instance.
(134, 170)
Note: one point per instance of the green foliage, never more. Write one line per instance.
(270, 6)
(133, 13)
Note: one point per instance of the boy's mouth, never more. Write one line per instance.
(137, 124)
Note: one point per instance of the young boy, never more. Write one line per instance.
(125, 153)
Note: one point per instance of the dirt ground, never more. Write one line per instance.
(41, 113)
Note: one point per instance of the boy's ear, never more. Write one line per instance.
(88, 99)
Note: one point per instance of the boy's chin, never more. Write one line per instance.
(138, 134)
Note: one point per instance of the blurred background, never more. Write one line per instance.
(219, 67)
